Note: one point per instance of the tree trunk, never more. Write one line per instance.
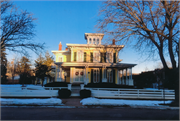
(42, 81)
(171, 54)
(162, 59)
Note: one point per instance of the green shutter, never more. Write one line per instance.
(101, 57)
(75, 56)
(114, 58)
(104, 57)
(91, 57)
(84, 56)
(91, 75)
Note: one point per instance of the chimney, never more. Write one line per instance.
(60, 46)
(113, 42)
(66, 48)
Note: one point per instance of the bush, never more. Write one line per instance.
(85, 93)
(107, 85)
(64, 93)
(57, 84)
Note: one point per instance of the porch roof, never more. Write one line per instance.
(95, 65)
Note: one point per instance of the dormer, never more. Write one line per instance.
(94, 38)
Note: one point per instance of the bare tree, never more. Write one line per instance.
(17, 29)
(151, 25)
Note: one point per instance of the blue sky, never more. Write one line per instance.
(67, 21)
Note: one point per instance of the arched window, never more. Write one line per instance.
(94, 41)
(89, 40)
(98, 41)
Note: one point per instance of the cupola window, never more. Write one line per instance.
(97, 41)
(89, 40)
(94, 41)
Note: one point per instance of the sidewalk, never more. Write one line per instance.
(73, 101)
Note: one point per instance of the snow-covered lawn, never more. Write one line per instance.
(120, 102)
(19, 85)
(49, 101)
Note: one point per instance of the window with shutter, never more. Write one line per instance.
(96, 57)
(80, 56)
(109, 57)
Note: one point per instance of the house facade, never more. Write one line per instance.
(92, 62)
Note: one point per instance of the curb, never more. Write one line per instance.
(90, 106)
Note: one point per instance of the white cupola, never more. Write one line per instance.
(94, 38)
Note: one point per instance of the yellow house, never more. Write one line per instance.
(92, 63)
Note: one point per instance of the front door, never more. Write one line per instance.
(79, 75)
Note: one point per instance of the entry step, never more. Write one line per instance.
(75, 94)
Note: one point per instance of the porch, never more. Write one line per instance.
(83, 73)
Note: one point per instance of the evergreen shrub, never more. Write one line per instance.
(85, 93)
(64, 93)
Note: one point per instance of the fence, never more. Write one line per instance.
(132, 93)
(30, 91)
(95, 92)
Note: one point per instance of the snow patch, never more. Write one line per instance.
(119, 102)
(49, 101)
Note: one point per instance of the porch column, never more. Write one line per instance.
(59, 75)
(131, 73)
(86, 80)
(131, 80)
(104, 79)
(71, 75)
(72, 54)
(123, 77)
(119, 76)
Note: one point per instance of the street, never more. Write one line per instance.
(47, 113)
